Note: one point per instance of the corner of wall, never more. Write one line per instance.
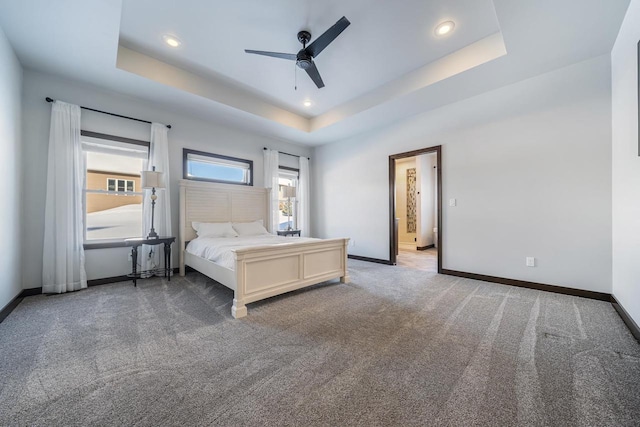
(11, 78)
(626, 164)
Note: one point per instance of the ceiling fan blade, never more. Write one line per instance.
(291, 56)
(315, 75)
(327, 37)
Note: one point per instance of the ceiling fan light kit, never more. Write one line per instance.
(304, 58)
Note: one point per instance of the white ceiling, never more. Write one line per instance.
(387, 65)
(384, 41)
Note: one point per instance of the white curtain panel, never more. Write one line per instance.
(271, 168)
(303, 198)
(152, 256)
(63, 254)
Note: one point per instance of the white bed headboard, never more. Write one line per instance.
(213, 202)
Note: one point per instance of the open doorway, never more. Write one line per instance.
(415, 202)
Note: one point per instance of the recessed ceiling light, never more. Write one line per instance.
(307, 103)
(172, 41)
(444, 28)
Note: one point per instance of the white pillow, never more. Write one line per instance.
(214, 229)
(250, 228)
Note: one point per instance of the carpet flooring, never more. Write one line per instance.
(396, 346)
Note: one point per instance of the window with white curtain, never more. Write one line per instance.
(287, 212)
(113, 207)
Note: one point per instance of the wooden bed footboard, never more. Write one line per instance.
(266, 271)
(263, 272)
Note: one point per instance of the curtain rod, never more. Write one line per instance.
(111, 114)
(288, 154)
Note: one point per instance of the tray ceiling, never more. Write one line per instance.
(386, 66)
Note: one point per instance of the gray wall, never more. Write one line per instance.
(529, 165)
(186, 132)
(10, 182)
(626, 165)
(427, 198)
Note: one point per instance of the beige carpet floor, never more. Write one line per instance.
(396, 346)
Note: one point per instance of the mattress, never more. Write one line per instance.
(220, 249)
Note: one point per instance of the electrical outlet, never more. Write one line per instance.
(452, 202)
(530, 261)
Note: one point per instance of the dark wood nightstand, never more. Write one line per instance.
(289, 233)
(137, 241)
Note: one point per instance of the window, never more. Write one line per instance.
(123, 185)
(113, 207)
(202, 166)
(287, 207)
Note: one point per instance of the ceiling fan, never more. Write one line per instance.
(304, 58)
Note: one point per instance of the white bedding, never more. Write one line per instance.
(219, 249)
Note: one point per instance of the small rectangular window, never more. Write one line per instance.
(203, 166)
(124, 185)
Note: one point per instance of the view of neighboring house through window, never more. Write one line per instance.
(121, 185)
(288, 209)
(203, 166)
(113, 206)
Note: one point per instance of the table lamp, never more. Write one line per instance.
(152, 180)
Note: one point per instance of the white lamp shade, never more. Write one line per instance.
(152, 179)
(288, 191)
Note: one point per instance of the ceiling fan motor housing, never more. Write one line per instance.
(304, 60)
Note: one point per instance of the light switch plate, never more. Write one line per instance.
(530, 261)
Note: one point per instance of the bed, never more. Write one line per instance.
(260, 271)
